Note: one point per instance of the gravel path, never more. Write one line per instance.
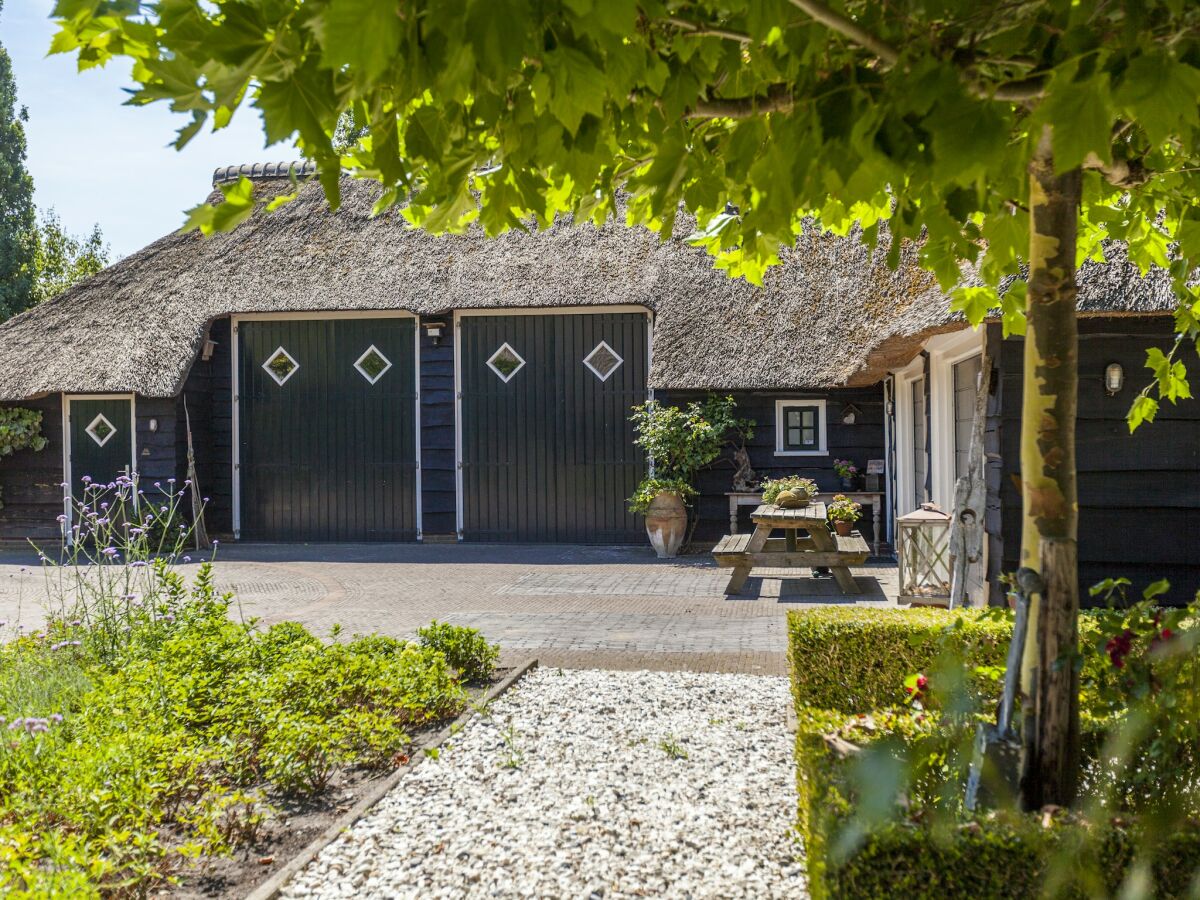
(589, 783)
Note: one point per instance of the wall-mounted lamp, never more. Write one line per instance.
(434, 329)
(850, 414)
(154, 424)
(1114, 379)
(210, 347)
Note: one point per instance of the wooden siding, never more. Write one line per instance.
(437, 431)
(209, 404)
(31, 483)
(858, 443)
(1139, 495)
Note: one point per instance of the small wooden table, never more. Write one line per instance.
(742, 552)
(873, 499)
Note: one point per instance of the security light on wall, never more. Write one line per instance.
(850, 414)
(1114, 379)
(434, 328)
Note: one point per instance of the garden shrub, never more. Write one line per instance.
(888, 820)
(464, 648)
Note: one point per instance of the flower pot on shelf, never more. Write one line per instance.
(849, 483)
(843, 528)
(666, 524)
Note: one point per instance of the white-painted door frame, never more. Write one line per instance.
(236, 320)
(456, 330)
(68, 476)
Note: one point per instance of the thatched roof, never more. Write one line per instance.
(832, 314)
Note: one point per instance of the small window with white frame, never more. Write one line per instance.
(800, 428)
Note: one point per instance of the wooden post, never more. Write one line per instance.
(1048, 488)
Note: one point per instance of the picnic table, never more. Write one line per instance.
(821, 547)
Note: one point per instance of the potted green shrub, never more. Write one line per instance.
(843, 513)
(679, 441)
(789, 492)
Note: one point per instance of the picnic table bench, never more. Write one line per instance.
(821, 547)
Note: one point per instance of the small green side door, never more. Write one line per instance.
(101, 440)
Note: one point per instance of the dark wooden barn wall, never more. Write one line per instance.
(31, 482)
(437, 432)
(208, 395)
(858, 442)
(1139, 495)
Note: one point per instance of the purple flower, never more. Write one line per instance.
(170, 481)
(86, 479)
(187, 559)
(215, 542)
(110, 552)
(56, 718)
(138, 564)
(62, 517)
(158, 484)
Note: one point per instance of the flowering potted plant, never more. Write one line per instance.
(843, 513)
(790, 492)
(847, 472)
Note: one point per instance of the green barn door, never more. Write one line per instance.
(547, 447)
(101, 440)
(327, 429)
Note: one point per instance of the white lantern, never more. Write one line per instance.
(923, 545)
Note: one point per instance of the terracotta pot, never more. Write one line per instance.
(843, 528)
(666, 524)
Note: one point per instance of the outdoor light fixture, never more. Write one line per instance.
(434, 328)
(850, 414)
(1114, 379)
(154, 424)
(210, 347)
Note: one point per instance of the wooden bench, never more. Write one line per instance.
(743, 552)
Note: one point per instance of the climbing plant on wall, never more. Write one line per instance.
(20, 429)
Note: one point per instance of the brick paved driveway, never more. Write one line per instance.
(571, 606)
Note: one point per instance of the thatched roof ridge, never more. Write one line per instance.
(820, 320)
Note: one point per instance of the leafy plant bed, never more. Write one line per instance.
(887, 704)
(150, 743)
(298, 821)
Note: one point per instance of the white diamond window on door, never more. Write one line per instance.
(505, 362)
(101, 430)
(281, 366)
(372, 364)
(603, 361)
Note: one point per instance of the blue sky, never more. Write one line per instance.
(93, 159)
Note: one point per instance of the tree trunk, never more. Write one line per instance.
(1048, 541)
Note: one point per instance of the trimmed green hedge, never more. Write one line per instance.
(848, 672)
(855, 659)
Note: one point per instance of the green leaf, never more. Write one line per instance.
(579, 87)
(1157, 589)
(1080, 116)
(237, 206)
(1143, 410)
(363, 34)
(303, 103)
(1160, 94)
(974, 302)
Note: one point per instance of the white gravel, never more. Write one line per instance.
(575, 784)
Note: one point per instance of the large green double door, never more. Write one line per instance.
(546, 446)
(326, 413)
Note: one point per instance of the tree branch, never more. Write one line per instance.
(819, 12)
(1012, 91)
(694, 29)
(777, 99)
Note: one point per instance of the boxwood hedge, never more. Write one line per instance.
(848, 670)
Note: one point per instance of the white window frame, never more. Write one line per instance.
(603, 376)
(822, 439)
(905, 380)
(945, 351)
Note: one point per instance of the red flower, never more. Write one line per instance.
(1118, 648)
(922, 682)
